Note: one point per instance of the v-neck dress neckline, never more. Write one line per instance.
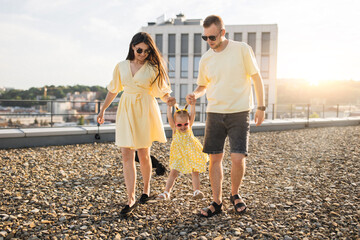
(133, 75)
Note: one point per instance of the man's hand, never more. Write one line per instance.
(259, 117)
(171, 101)
(190, 99)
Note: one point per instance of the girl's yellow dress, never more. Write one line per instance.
(138, 117)
(186, 154)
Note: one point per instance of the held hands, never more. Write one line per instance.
(171, 101)
(190, 99)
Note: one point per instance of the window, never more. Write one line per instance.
(265, 54)
(197, 116)
(197, 43)
(197, 54)
(184, 55)
(183, 93)
(159, 41)
(171, 47)
(197, 100)
(265, 43)
(184, 66)
(171, 67)
(196, 65)
(264, 68)
(238, 37)
(252, 41)
(171, 54)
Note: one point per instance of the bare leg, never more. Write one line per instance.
(195, 180)
(145, 168)
(171, 180)
(237, 174)
(216, 179)
(129, 170)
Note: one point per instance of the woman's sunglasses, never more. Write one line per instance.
(140, 51)
(212, 37)
(180, 125)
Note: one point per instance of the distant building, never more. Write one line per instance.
(180, 43)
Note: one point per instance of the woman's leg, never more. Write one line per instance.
(145, 168)
(129, 170)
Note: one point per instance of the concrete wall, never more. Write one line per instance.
(35, 137)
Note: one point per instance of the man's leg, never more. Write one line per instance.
(237, 174)
(216, 179)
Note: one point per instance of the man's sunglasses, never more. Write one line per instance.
(180, 125)
(140, 51)
(212, 37)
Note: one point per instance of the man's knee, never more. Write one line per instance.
(238, 159)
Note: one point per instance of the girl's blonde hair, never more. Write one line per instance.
(181, 113)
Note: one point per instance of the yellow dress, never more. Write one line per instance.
(138, 117)
(186, 154)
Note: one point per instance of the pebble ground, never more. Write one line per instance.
(299, 184)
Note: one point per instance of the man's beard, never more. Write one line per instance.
(217, 46)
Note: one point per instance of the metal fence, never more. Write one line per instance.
(61, 113)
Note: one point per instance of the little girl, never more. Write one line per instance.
(186, 154)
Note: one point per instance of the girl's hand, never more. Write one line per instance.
(100, 118)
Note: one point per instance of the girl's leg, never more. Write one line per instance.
(129, 170)
(195, 180)
(145, 168)
(171, 180)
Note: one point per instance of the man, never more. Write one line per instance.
(224, 74)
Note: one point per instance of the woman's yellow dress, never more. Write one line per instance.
(138, 117)
(186, 153)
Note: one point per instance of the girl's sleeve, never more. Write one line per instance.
(115, 85)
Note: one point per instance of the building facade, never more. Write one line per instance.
(181, 45)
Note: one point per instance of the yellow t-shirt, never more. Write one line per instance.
(226, 75)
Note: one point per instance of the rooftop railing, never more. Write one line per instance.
(62, 113)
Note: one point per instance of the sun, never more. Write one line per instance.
(313, 82)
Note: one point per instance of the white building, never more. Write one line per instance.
(180, 43)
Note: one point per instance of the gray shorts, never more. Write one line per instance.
(219, 126)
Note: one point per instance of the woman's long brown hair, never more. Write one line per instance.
(154, 58)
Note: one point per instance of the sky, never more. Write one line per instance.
(69, 42)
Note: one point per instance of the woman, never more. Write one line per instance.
(142, 77)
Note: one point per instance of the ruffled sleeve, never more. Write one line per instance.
(115, 85)
(158, 91)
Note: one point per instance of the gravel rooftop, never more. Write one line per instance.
(299, 184)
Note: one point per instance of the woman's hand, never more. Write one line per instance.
(100, 117)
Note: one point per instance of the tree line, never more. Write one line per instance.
(58, 92)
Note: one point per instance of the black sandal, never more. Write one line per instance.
(144, 198)
(239, 205)
(212, 213)
(127, 210)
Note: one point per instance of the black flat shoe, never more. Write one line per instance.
(144, 198)
(128, 210)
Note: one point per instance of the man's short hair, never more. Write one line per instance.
(213, 19)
